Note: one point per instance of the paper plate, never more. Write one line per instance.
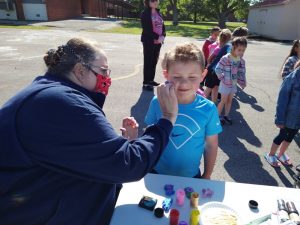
(217, 213)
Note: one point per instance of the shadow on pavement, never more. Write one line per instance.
(139, 110)
(248, 99)
(243, 165)
(283, 177)
(297, 139)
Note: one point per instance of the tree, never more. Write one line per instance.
(220, 9)
(173, 4)
(191, 9)
(139, 4)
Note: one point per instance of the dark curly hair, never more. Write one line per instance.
(62, 60)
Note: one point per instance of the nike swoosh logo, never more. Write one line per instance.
(175, 135)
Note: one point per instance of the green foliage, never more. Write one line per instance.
(184, 29)
(199, 10)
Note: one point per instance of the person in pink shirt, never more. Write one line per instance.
(152, 37)
(211, 81)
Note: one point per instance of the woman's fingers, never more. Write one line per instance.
(168, 101)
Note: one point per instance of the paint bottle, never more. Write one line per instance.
(174, 217)
(293, 212)
(180, 195)
(183, 223)
(282, 211)
(194, 200)
(194, 217)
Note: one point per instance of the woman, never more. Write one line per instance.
(61, 162)
(153, 36)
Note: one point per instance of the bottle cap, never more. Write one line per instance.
(159, 212)
(253, 204)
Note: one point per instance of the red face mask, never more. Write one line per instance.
(103, 84)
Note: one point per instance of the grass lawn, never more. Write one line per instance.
(184, 29)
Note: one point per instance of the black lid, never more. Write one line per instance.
(253, 204)
(291, 208)
(159, 212)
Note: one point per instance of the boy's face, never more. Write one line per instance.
(186, 78)
(215, 35)
(239, 50)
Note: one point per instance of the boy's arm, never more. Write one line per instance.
(205, 49)
(210, 155)
(210, 59)
(212, 129)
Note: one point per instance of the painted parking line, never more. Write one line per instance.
(135, 72)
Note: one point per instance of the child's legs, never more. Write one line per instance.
(211, 82)
(277, 141)
(289, 136)
(214, 94)
(207, 91)
(228, 104)
(224, 99)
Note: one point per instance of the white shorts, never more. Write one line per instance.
(224, 89)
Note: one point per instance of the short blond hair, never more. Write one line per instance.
(186, 52)
(224, 36)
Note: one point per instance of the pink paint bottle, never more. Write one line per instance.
(180, 195)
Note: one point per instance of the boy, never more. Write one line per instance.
(197, 122)
(214, 33)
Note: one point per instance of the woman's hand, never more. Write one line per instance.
(168, 101)
(129, 128)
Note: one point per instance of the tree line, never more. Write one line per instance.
(201, 10)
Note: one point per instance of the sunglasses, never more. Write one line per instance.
(103, 71)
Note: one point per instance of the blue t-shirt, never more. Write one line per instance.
(194, 122)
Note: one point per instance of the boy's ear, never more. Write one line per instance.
(166, 75)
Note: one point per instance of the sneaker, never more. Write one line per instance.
(228, 120)
(153, 83)
(147, 87)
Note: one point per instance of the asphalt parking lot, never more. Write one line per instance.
(242, 145)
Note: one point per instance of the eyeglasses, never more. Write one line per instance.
(103, 71)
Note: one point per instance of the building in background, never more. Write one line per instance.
(48, 10)
(276, 19)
